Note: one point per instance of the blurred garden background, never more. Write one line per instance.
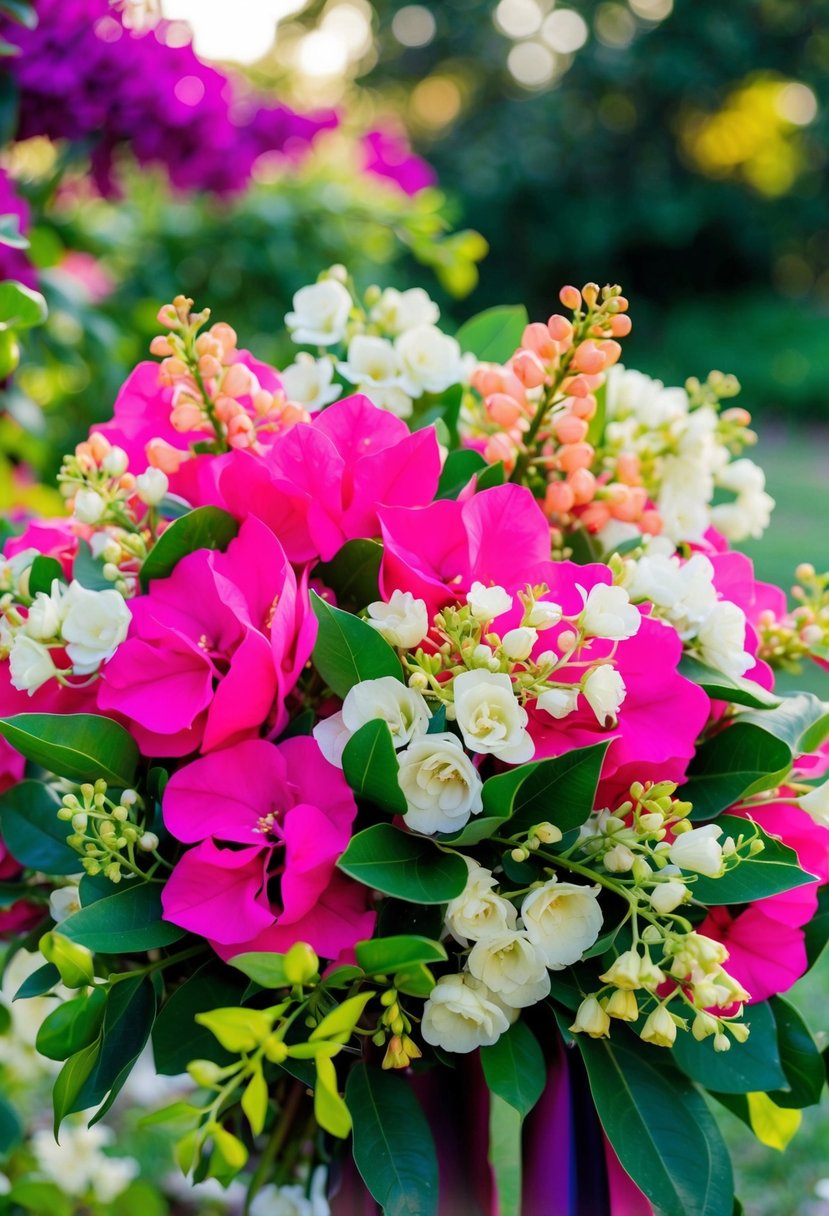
(490, 150)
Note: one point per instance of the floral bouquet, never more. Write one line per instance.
(392, 742)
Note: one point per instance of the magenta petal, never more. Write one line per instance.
(508, 535)
(218, 893)
(312, 845)
(226, 793)
(162, 690)
(244, 698)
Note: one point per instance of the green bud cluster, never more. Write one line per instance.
(110, 836)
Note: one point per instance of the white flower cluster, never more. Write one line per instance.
(394, 351)
(508, 965)
(87, 625)
(79, 1166)
(683, 593)
(685, 447)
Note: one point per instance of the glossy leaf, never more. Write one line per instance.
(20, 306)
(255, 1102)
(330, 1110)
(340, 1022)
(82, 747)
(406, 866)
(514, 1068)
(748, 1066)
(739, 759)
(42, 573)
(800, 1057)
(774, 870)
(72, 1025)
(31, 829)
(126, 922)
(458, 469)
(721, 687)
(386, 955)
(128, 1019)
(354, 573)
(203, 528)
(38, 982)
(71, 1080)
(801, 721)
(89, 570)
(11, 1129)
(265, 969)
(505, 1155)
(177, 1037)
(393, 1146)
(370, 767)
(494, 335)
(348, 650)
(237, 1029)
(561, 790)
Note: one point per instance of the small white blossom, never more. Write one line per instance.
(45, 614)
(402, 708)
(544, 614)
(320, 314)
(89, 506)
(30, 664)
(151, 486)
(95, 624)
(403, 621)
(430, 360)
(486, 603)
(308, 381)
(608, 613)
(116, 462)
(440, 784)
(479, 911)
(604, 691)
(721, 639)
(397, 311)
(490, 717)
(518, 643)
(558, 702)
(79, 1166)
(461, 1015)
(63, 901)
(562, 919)
(512, 967)
(292, 1200)
(371, 364)
(816, 803)
(699, 850)
(667, 896)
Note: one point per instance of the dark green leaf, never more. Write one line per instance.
(393, 1147)
(126, 922)
(82, 747)
(816, 931)
(31, 829)
(348, 650)
(20, 307)
(774, 870)
(747, 1068)
(128, 1020)
(494, 335)
(177, 1038)
(203, 528)
(370, 767)
(458, 469)
(71, 1080)
(493, 475)
(73, 1025)
(514, 1068)
(801, 721)
(38, 982)
(740, 759)
(659, 1126)
(800, 1057)
(386, 955)
(42, 573)
(89, 570)
(721, 687)
(406, 866)
(11, 1129)
(354, 573)
(560, 790)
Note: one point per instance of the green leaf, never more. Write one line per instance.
(177, 1037)
(354, 573)
(89, 570)
(747, 1067)
(816, 931)
(126, 922)
(800, 1057)
(393, 1146)
(415, 981)
(73, 1025)
(339, 1024)
(237, 1029)
(81, 747)
(721, 687)
(739, 759)
(386, 955)
(348, 651)
(255, 1102)
(494, 335)
(514, 1068)
(330, 1111)
(561, 790)
(774, 870)
(31, 829)
(20, 306)
(493, 475)
(203, 528)
(370, 767)
(773, 1125)
(659, 1126)
(42, 573)
(406, 866)
(801, 721)
(267, 970)
(40, 1198)
(71, 1080)
(458, 469)
(11, 1129)
(128, 1020)
(505, 1155)
(38, 982)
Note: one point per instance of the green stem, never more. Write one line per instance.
(277, 1138)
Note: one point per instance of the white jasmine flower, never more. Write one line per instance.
(478, 911)
(741, 476)
(402, 708)
(308, 381)
(686, 490)
(659, 1028)
(486, 603)
(591, 1019)
(461, 1015)
(79, 1166)
(45, 614)
(430, 360)
(517, 644)
(89, 506)
(490, 718)
(320, 314)
(371, 362)
(608, 613)
(562, 919)
(558, 702)
(30, 664)
(275, 1200)
(151, 486)
(116, 462)
(63, 901)
(604, 690)
(332, 735)
(748, 516)
(655, 578)
(544, 614)
(631, 393)
(397, 311)
(440, 784)
(403, 621)
(667, 896)
(699, 850)
(94, 625)
(512, 967)
(721, 639)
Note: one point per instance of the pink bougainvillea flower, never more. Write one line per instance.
(213, 650)
(437, 552)
(268, 822)
(321, 483)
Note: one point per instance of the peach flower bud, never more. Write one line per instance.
(99, 446)
(620, 326)
(578, 387)
(500, 447)
(503, 410)
(162, 455)
(628, 468)
(569, 429)
(595, 516)
(537, 338)
(167, 316)
(583, 407)
(241, 432)
(570, 297)
(127, 482)
(238, 381)
(590, 293)
(560, 329)
(226, 408)
(209, 366)
(575, 456)
(612, 352)
(208, 344)
(225, 335)
(186, 417)
(583, 484)
(622, 305)
(160, 346)
(651, 522)
(291, 413)
(559, 498)
(736, 415)
(487, 379)
(263, 402)
(171, 370)
(529, 369)
(588, 358)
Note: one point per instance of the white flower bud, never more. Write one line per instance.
(699, 850)
(619, 859)
(608, 613)
(148, 842)
(30, 664)
(667, 896)
(403, 621)
(116, 462)
(604, 691)
(517, 644)
(591, 1019)
(816, 803)
(151, 486)
(486, 603)
(478, 911)
(95, 624)
(543, 614)
(89, 506)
